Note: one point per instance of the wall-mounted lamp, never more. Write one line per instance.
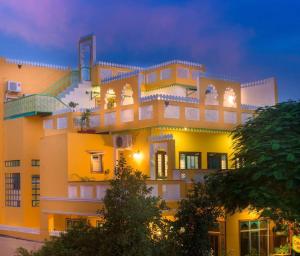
(19, 66)
(137, 155)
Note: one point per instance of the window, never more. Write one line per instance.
(62, 123)
(96, 162)
(12, 163)
(48, 124)
(151, 78)
(73, 223)
(35, 186)
(229, 98)
(196, 74)
(105, 73)
(165, 74)
(254, 238)
(183, 72)
(126, 96)
(12, 189)
(110, 99)
(211, 95)
(35, 162)
(217, 161)
(161, 164)
(190, 160)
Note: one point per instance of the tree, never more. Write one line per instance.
(196, 215)
(81, 240)
(267, 178)
(132, 217)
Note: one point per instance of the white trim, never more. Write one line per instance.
(70, 213)
(34, 231)
(36, 64)
(66, 199)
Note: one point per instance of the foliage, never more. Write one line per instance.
(196, 215)
(253, 252)
(81, 240)
(283, 249)
(268, 178)
(73, 104)
(85, 119)
(133, 218)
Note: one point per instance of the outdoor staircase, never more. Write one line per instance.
(78, 93)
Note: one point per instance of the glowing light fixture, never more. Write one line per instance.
(137, 155)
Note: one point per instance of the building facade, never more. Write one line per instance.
(62, 132)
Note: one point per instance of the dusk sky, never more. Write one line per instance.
(245, 39)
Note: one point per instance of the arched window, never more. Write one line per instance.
(229, 98)
(211, 95)
(110, 99)
(126, 96)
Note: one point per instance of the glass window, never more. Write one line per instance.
(35, 185)
(254, 238)
(183, 72)
(151, 78)
(35, 162)
(190, 160)
(217, 161)
(72, 223)
(12, 163)
(165, 74)
(97, 162)
(161, 164)
(12, 189)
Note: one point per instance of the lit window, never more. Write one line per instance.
(165, 74)
(161, 164)
(96, 162)
(12, 189)
(126, 97)
(35, 185)
(183, 72)
(229, 98)
(74, 223)
(254, 238)
(190, 160)
(110, 99)
(217, 161)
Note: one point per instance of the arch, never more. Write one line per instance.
(126, 96)
(229, 98)
(211, 95)
(110, 99)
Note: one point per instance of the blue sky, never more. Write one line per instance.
(245, 39)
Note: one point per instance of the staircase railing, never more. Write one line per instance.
(63, 83)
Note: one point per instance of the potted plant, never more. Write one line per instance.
(282, 250)
(85, 120)
(281, 229)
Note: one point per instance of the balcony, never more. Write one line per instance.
(168, 190)
(32, 105)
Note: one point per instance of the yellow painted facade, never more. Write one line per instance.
(170, 121)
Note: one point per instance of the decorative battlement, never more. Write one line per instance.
(168, 98)
(258, 82)
(248, 107)
(219, 77)
(116, 65)
(36, 64)
(120, 76)
(163, 64)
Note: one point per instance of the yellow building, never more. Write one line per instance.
(171, 121)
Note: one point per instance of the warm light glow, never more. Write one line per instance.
(137, 155)
(231, 99)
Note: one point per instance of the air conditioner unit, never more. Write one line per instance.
(122, 141)
(13, 86)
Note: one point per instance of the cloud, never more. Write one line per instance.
(195, 29)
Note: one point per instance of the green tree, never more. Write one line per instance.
(196, 215)
(133, 218)
(267, 178)
(81, 240)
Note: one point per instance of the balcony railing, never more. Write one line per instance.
(168, 190)
(32, 105)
